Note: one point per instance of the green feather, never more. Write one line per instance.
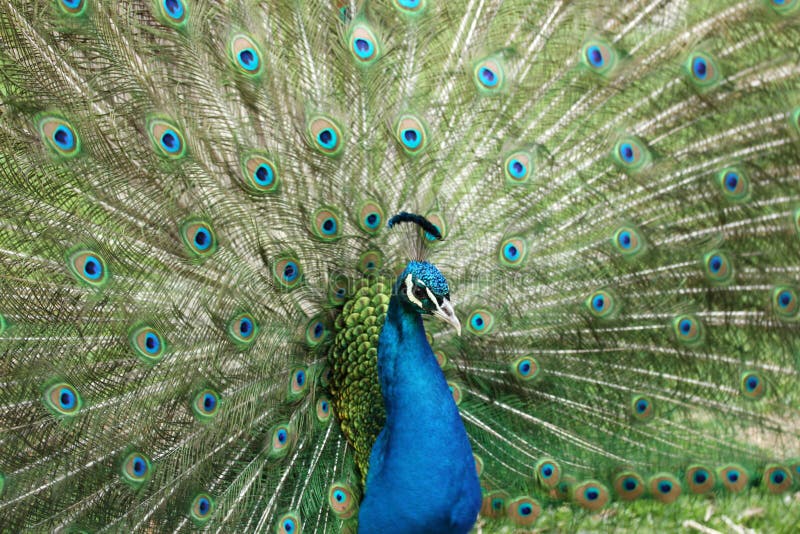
(195, 265)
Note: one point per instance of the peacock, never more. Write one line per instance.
(396, 266)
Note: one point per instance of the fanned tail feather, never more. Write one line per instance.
(193, 209)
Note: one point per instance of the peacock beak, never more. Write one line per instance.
(446, 313)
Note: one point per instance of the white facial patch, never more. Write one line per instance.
(410, 291)
(433, 298)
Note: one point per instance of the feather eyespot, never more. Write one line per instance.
(718, 268)
(480, 322)
(323, 409)
(338, 290)
(370, 217)
(198, 237)
(525, 368)
(590, 495)
(629, 486)
(206, 405)
(63, 400)
(703, 70)
(246, 56)
(687, 329)
(518, 168)
(412, 135)
(326, 136)
(287, 272)
(298, 383)
(201, 508)
(88, 267)
(363, 44)
(548, 472)
(512, 252)
(283, 437)
(147, 343)
(370, 262)
(700, 479)
(242, 329)
(315, 332)
(642, 408)
(524, 511)
(734, 478)
(602, 304)
(166, 137)
(136, 469)
(777, 479)
(59, 135)
(260, 174)
(489, 76)
(631, 154)
(73, 7)
(289, 523)
(627, 241)
(175, 13)
(664, 488)
(734, 183)
(494, 503)
(784, 303)
(342, 500)
(326, 224)
(752, 385)
(598, 56)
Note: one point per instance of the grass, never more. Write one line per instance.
(751, 511)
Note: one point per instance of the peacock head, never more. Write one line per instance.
(422, 288)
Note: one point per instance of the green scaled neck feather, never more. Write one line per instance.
(353, 360)
(205, 322)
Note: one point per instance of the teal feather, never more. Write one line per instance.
(196, 268)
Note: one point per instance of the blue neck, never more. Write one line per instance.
(422, 473)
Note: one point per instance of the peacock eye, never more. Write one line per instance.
(419, 292)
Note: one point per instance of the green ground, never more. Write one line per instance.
(750, 512)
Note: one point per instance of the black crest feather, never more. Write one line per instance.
(419, 220)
